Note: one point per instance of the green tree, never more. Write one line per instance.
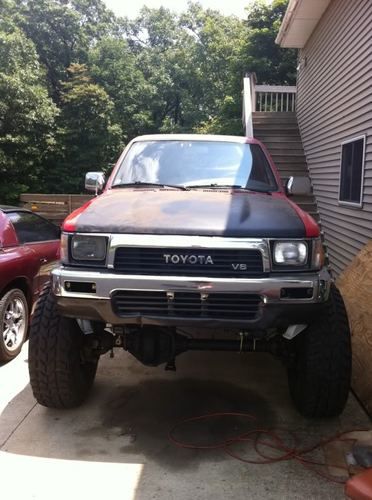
(112, 79)
(114, 66)
(217, 58)
(254, 51)
(189, 60)
(63, 31)
(89, 138)
(227, 121)
(162, 49)
(217, 53)
(55, 30)
(8, 11)
(27, 117)
(271, 63)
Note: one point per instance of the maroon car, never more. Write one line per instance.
(29, 248)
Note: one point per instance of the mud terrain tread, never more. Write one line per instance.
(319, 380)
(58, 377)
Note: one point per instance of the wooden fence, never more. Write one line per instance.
(54, 207)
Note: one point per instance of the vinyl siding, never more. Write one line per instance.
(334, 104)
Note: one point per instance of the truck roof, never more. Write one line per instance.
(196, 137)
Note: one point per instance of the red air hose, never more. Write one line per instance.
(262, 440)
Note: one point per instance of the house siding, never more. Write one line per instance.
(334, 104)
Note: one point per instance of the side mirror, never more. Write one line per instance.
(298, 186)
(94, 181)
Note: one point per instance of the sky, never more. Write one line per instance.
(131, 8)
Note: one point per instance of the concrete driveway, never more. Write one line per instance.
(116, 447)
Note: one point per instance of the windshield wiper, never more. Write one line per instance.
(230, 186)
(149, 184)
(255, 190)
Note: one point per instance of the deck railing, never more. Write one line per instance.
(274, 98)
(265, 98)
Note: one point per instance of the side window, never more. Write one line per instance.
(31, 228)
(261, 170)
(352, 168)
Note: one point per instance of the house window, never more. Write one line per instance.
(352, 169)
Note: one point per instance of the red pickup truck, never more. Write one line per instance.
(29, 248)
(193, 245)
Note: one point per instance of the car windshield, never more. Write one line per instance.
(196, 163)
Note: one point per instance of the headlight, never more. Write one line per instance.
(290, 253)
(85, 247)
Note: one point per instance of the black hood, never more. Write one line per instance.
(194, 212)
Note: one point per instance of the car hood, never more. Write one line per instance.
(194, 212)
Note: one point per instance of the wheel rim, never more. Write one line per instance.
(14, 324)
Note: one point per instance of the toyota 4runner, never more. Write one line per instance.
(194, 244)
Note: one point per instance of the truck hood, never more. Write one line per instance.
(195, 212)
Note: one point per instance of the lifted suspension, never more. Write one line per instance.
(153, 346)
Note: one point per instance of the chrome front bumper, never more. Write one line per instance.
(274, 310)
(106, 283)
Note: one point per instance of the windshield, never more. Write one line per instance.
(197, 163)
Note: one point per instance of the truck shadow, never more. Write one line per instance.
(124, 425)
(146, 413)
(132, 408)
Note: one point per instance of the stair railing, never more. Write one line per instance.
(274, 98)
(248, 103)
(265, 98)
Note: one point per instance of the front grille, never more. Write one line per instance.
(186, 304)
(217, 262)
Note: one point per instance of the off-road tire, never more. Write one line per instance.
(319, 375)
(7, 354)
(59, 376)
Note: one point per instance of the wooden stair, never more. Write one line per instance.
(280, 134)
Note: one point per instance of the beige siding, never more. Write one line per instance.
(335, 104)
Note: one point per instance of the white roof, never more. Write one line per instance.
(299, 22)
